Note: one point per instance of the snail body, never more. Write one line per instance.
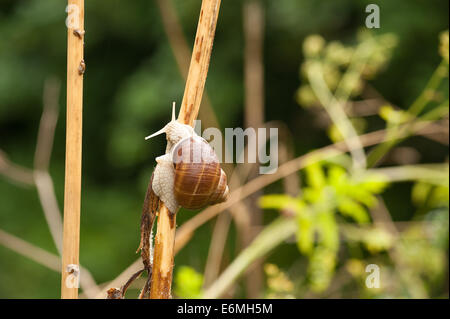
(189, 174)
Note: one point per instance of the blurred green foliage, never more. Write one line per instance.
(322, 197)
(130, 81)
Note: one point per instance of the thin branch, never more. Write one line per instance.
(433, 173)
(337, 114)
(415, 109)
(44, 145)
(272, 235)
(30, 251)
(49, 203)
(253, 18)
(47, 126)
(123, 277)
(428, 93)
(15, 173)
(216, 248)
(253, 23)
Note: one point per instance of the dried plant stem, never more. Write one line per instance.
(72, 190)
(195, 83)
(254, 64)
(201, 55)
(44, 146)
(216, 248)
(15, 173)
(253, 19)
(31, 251)
(163, 255)
(182, 53)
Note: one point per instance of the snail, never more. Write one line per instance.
(189, 174)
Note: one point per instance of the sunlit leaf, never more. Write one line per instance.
(188, 282)
(351, 208)
(321, 268)
(390, 115)
(278, 201)
(305, 233)
(328, 230)
(361, 195)
(420, 193)
(315, 175)
(312, 195)
(374, 183)
(337, 176)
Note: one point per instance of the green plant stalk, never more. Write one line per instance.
(436, 79)
(398, 134)
(333, 104)
(419, 104)
(337, 115)
(433, 173)
(273, 235)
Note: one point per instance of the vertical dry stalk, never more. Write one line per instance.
(254, 117)
(195, 83)
(44, 146)
(201, 54)
(72, 189)
(254, 66)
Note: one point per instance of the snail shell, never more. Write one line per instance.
(199, 179)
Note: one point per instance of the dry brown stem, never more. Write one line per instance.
(195, 83)
(72, 189)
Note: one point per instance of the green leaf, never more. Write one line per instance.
(312, 195)
(315, 176)
(358, 193)
(439, 196)
(321, 268)
(328, 230)
(305, 232)
(374, 183)
(420, 193)
(278, 201)
(392, 116)
(337, 176)
(351, 208)
(188, 283)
